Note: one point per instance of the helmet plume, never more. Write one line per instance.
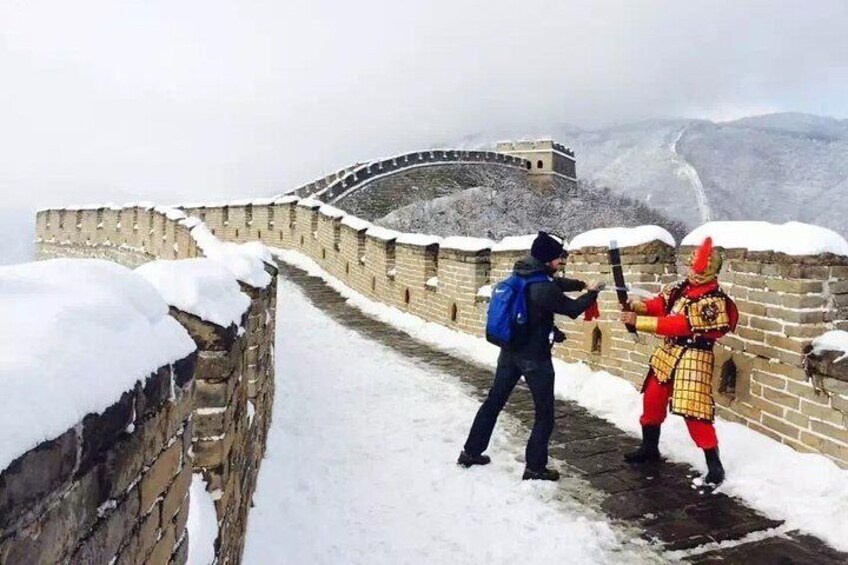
(702, 256)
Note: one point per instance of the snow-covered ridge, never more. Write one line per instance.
(420, 239)
(356, 224)
(834, 340)
(202, 287)
(792, 238)
(331, 212)
(265, 201)
(75, 334)
(515, 243)
(472, 244)
(624, 237)
(241, 260)
(382, 233)
(246, 262)
(309, 202)
(365, 173)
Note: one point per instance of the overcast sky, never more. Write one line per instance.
(174, 100)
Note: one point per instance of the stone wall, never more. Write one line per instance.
(759, 379)
(113, 488)
(362, 175)
(232, 412)
(129, 236)
(386, 194)
(235, 376)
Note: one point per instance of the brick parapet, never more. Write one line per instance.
(235, 384)
(784, 302)
(113, 488)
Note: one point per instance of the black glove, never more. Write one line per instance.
(559, 337)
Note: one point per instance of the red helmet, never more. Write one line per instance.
(705, 263)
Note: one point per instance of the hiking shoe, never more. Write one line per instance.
(543, 475)
(467, 460)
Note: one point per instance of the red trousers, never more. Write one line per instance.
(655, 409)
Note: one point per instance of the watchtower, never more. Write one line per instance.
(546, 158)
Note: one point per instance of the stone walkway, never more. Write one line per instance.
(659, 501)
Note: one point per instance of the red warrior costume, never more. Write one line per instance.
(691, 316)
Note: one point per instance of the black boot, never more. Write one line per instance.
(715, 470)
(467, 460)
(649, 450)
(543, 475)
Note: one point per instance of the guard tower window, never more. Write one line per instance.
(454, 313)
(529, 165)
(539, 164)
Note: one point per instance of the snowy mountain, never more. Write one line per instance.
(503, 209)
(493, 202)
(776, 167)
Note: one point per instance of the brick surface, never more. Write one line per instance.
(161, 554)
(110, 533)
(160, 475)
(176, 494)
(34, 475)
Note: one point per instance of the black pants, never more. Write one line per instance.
(539, 375)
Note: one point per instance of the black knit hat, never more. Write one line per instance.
(547, 247)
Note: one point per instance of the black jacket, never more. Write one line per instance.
(544, 299)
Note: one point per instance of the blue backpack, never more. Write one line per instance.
(506, 321)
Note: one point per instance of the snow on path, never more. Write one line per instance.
(360, 467)
(686, 169)
(759, 468)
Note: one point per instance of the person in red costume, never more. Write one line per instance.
(690, 315)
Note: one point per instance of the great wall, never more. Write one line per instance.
(217, 420)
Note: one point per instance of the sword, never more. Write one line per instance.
(618, 279)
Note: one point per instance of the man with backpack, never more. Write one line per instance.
(521, 322)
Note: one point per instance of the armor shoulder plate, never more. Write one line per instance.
(709, 313)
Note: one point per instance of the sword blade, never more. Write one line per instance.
(618, 279)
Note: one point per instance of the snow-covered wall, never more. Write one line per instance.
(224, 294)
(96, 409)
(233, 404)
(366, 173)
(787, 294)
(785, 301)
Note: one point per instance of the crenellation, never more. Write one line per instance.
(783, 302)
